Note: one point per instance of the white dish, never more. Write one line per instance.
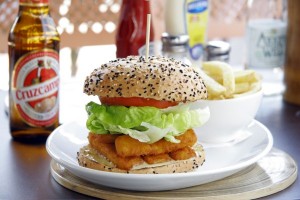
(222, 160)
(236, 114)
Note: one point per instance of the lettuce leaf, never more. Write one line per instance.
(146, 124)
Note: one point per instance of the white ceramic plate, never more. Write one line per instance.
(221, 160)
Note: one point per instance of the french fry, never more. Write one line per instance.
(241, 87)
(213, 87)
(223, 82)
(255, 87)
(226, 71)
(216, 97)
(216, 77)
(246, 76)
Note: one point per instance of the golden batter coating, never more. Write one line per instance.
(183, 154)
(109, 151)
(103, 138)
(154, 159)
(127, 146)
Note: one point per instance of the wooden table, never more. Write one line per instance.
(25, 170)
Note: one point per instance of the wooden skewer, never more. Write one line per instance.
(148, 35)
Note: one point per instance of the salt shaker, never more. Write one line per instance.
(217, 50)
(176, 46)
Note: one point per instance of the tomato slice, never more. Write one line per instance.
(136, 101)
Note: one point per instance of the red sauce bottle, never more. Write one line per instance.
(131, 32)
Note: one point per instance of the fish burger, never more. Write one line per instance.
(145, 121)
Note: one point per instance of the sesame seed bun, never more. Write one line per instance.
(160, 78)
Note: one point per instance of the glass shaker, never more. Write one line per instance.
(176, 46)
(217, 50)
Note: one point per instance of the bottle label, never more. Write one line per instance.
(35, 85)
(266, 43)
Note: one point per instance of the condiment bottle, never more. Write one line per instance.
(131, 32)
(175, 17)
(33, 44)
(197, 13)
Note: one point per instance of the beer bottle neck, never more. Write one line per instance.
(36, 7)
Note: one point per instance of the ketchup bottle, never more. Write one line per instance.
(131, 32)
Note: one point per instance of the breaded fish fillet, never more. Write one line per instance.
(103, 138)
(109, 151)
(160, 158)
(127, 146)
(183, 154)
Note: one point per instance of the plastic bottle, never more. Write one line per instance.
(197, 13)
(131, 33)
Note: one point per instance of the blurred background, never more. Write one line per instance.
(94, 22)
(85, 24)
(88, 31)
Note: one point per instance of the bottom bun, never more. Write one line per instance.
(90, 158)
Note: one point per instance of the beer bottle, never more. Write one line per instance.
(33, 45)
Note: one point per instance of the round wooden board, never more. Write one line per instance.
(273, 173)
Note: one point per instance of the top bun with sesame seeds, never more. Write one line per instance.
(160, 78)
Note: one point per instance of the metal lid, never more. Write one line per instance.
(175, 43)
(217, 47)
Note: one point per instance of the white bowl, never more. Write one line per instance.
(228, 117)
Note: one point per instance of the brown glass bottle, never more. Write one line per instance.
(33, 44)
